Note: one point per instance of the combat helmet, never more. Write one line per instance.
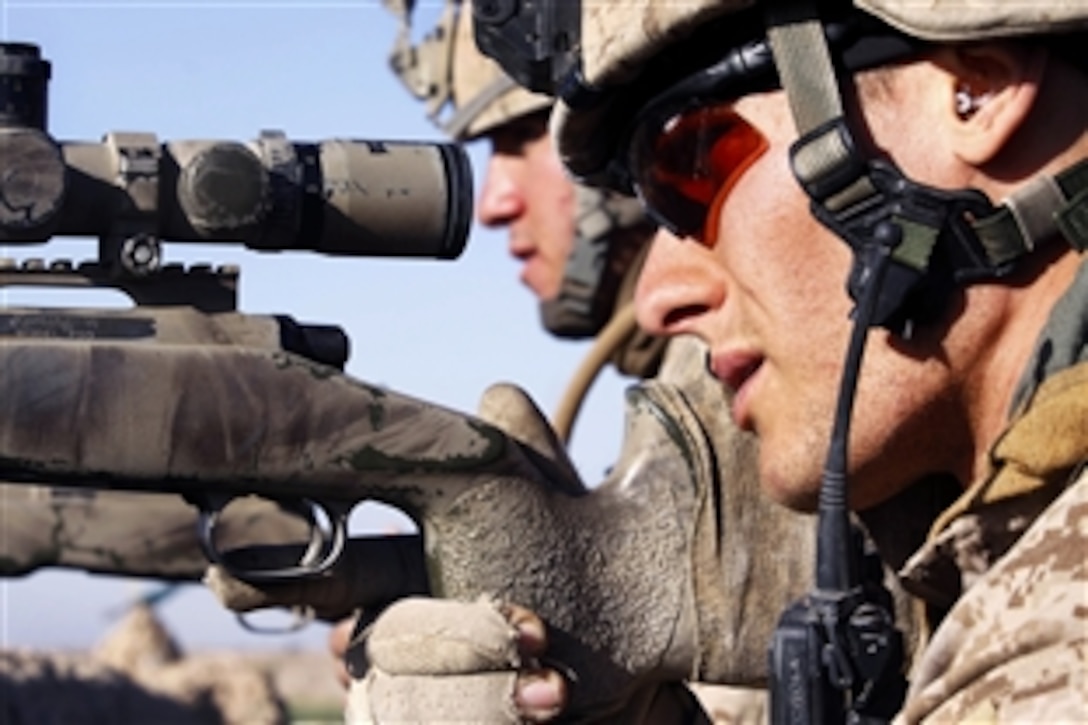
(468, 96)
(622, 65)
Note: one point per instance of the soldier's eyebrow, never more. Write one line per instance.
(512, 136)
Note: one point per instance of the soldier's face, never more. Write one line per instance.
(764, 286)
(527, 191)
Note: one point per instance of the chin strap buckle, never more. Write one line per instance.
(939, 247)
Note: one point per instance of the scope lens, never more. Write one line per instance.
(461, 201)
(386, 198)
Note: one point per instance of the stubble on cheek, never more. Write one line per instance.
(792, 460)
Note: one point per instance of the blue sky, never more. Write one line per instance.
(442, 331)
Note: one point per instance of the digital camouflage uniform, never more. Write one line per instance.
(1008, 561)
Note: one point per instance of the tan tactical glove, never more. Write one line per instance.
(439, 660)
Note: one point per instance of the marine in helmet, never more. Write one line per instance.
(907, 179)
(579, 247)
(923, 167)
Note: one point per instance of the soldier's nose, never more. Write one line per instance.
(676, 287)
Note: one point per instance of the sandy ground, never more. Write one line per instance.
(305, 680)
(139, 668)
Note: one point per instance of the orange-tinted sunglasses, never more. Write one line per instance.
(684, 166)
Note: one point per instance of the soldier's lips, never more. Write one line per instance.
(739, 371)
(538, 277)
(526, 277)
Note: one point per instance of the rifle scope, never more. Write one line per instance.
(338, 197)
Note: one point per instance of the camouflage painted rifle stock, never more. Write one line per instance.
(110, 532)
(219, 405)
(124, 534)
(159, 353)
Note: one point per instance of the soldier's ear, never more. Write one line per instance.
(992, 87)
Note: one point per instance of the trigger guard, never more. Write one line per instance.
(210, 506)
(322, 551)
(304, 615)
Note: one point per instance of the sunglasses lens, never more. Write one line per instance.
(684, 167)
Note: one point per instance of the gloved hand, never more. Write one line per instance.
(455, 658)
(632, 584)
(442, 660)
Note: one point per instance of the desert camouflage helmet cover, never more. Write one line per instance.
(619, 38)
(446, 70)
(483, 95)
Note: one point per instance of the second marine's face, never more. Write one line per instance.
(527, 191)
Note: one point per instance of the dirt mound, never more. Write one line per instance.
(137, 674)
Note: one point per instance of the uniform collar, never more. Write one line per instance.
(1044, 446)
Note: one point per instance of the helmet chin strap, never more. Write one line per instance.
(587, 294)
(913, 245)
(948, 238)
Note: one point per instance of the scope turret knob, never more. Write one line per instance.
(224, 191)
